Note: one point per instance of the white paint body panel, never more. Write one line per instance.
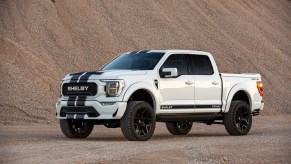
(216, 89)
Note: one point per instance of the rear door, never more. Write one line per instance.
(177, 93)
(207, 84)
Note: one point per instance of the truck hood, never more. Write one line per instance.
(108, 74)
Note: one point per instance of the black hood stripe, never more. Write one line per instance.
(85, 77)
(75, 77)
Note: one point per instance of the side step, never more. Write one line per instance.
(189, 117)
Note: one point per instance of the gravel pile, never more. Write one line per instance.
(41, 41)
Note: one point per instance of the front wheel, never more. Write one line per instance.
(138, 122)
(76, 128)
(179, 128)
(238, 120)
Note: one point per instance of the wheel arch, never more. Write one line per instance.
(238, 92)
(141, 91)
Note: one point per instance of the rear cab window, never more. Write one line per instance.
(201, 65)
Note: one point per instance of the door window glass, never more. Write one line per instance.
(176, 61)
(202, 65)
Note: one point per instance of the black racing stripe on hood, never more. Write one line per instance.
(75, 77)
(77, 73)
(86, 76)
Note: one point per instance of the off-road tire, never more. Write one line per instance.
(238, 120)
(179, 128)
(135, 128)
(76, 128)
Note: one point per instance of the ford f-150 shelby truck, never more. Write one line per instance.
(178, 87)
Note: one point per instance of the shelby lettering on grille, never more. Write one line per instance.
(79, 89)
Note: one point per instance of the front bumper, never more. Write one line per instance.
(103, 112)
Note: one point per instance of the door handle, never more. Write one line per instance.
(215, 83)
(189, 83)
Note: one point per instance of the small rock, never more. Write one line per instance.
(225, 159)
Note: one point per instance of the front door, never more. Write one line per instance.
(177, 93)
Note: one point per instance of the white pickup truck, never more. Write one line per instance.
(178, 87)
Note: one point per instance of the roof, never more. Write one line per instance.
(179, 51)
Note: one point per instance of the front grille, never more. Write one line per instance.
(79, 89)
(89, 110)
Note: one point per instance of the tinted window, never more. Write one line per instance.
(201, 64)
(176, 61)
(135, 61)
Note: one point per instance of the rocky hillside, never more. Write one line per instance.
(41, 41)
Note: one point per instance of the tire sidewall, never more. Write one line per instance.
(185, 131)
(67, 127)
(146, 106)
(245, 106)
(127, 121)
(174, 129)
(230, 118)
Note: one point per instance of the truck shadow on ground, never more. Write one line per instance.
(157, 137)
(118, 137)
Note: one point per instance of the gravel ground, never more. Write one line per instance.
(268, 142)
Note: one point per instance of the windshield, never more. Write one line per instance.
(138, 60)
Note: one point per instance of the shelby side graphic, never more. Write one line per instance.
(178, 87)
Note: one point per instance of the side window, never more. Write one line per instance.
(176, 61)
(202, 65)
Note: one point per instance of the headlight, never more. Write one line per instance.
(113, 87)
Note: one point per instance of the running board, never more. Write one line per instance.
(189, 117)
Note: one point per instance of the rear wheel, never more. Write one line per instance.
(238, 120)
(179, 128)
(76, 128)
(138, 122)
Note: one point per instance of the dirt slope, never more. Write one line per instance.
(41, 41)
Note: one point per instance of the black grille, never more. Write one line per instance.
(89, 110)
(79, 89)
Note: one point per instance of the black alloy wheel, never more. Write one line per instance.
(242, 118)
(138, 122)
(142, 121)
(238, 120)
(76, 128)
(179, 128)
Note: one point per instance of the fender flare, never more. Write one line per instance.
(145, 86)
(236, 88)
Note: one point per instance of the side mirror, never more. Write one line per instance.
(169, 72)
